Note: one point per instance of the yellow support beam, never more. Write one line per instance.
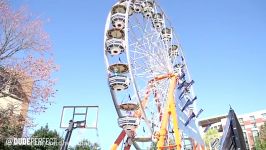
(163, 130)
(175, 123)
(170, 109)
(118, 140)
(114, 147)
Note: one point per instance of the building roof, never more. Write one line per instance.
(211, 120)
(252, 113)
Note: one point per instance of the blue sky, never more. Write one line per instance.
(223, 41)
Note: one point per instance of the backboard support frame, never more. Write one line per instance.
(75, 113)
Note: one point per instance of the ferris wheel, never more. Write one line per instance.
(148, 79)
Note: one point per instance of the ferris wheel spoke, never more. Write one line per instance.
(142, 27)
(151, 57)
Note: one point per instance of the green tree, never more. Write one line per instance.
(210, 136)
(86, 145)
(260, 143)
(263, 132)
(11, 124)
(52, 135)
(153, 146)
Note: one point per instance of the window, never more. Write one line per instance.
(246, 139)
(16, 89)
(264, 115)
(255, 134)
(243, 127)
(252, 118)
(241, 121)
(220, 128)
(254, 125)
(1, 81)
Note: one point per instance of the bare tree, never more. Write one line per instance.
(26, 63)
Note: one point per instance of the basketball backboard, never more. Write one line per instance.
(87, 116)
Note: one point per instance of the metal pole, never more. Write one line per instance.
(68, 135)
